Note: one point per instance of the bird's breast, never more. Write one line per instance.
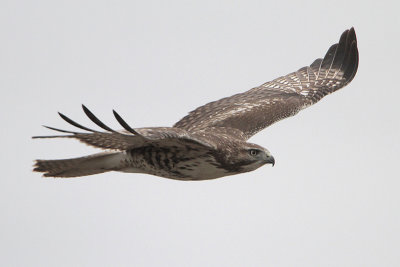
(182, 163)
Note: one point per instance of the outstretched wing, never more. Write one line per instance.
(259, 107)
(129, 138)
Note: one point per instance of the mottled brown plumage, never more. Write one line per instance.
(211, 141)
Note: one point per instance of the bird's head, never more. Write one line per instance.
(245, 157)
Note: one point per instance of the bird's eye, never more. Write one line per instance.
(253, 152)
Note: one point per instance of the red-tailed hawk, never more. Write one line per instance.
(211, 141)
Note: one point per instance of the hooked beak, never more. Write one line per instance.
(270, 159)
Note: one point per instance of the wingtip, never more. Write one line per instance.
(124, 124)
(84, 108)
(65, 118)
(352, 35)
(353, 62)
(94, 119)
(87, 111)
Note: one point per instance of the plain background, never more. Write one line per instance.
(332, 199)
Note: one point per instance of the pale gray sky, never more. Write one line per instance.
(332, 198)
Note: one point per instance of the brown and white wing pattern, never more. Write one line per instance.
(129, 138)
(260, 107)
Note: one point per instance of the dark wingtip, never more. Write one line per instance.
(59, 130)
(352, 67)
(65, 118)
(352, 33)
(343, 56)
(85, 109)
(94, 119)
(350, 63)
(124, 124)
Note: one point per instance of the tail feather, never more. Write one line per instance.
(89, 165)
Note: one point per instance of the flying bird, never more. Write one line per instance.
(211, 141)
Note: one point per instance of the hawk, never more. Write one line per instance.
(211, 141)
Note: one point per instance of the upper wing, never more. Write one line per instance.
(259, 107)
(130, 138)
